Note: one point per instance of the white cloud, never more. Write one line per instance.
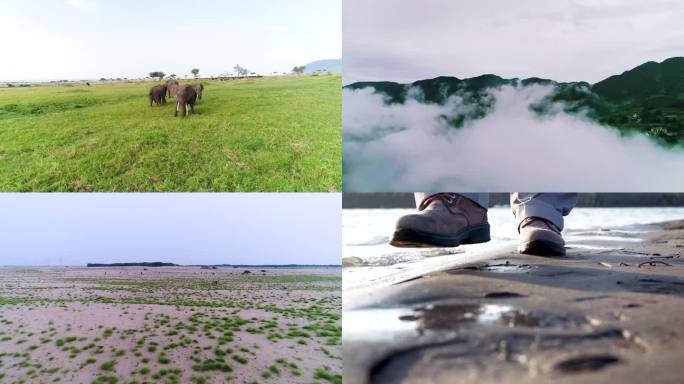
(408, 147)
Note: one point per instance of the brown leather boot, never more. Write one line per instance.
(540, 237)
(443, 220)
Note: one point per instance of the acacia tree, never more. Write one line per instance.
(299, 69)
(241, 71)
(158, 74)
(194, 72)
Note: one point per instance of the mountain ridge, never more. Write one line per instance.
(648, 98)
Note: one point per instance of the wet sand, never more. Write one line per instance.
(611, 311)
(170, 324)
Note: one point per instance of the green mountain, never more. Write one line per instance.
(650, 81)
(394, 92)
(648, 99)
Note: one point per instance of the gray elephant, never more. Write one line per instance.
(172, 87)
(158, 94)
(199, 88)
(185, 96)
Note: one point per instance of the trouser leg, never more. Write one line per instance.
(548, 206)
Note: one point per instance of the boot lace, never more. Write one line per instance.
(446, 198)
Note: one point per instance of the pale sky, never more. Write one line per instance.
(565, 40)
(195, 228)
(89, 39)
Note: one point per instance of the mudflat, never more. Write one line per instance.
(612, 311)
(170, 325)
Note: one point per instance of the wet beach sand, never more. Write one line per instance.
(170, 325)
(611, 311)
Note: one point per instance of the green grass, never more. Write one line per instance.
(293, 278)
(108, 365)
(106, 379)
(272, 134)
(212, 365)
(324, 374)
(240, 359)
(199, 379)
(163, 359)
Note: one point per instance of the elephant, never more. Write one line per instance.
(158, 94)
(186, 96)
(172, 87)
(199, 88)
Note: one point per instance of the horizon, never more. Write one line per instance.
(138, 79)
(91, 39)
(565, 40)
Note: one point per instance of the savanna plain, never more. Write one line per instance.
(280, 133)
(170, 325)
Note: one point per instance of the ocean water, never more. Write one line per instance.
(365, 233)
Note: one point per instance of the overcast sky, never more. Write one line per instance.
(89, 39)
(565, 40)
(196, 228)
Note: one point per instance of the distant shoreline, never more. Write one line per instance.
(140, 264)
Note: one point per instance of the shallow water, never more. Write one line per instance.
(388, 324)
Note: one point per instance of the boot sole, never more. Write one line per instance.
(541, 248)
(411, 238)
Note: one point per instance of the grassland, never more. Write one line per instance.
(170, 325)
(270, 134)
